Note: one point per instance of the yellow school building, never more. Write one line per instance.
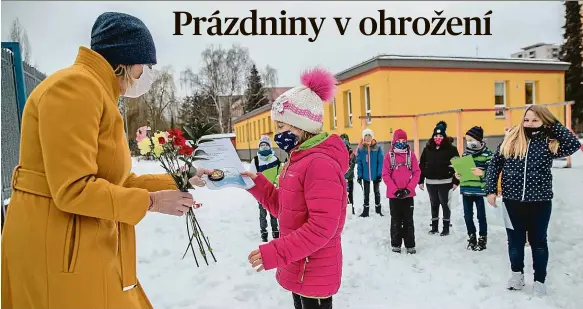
(391, 89)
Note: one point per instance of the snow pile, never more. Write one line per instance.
(443, 274)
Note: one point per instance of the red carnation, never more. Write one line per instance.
(186, 150)
(161, 140)
(174, 133)
(179, 141)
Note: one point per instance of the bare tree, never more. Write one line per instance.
(18, 34)
(238, 63)
(269, 77)
(220, 79)
(161, 97)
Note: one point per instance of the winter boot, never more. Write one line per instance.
(275, 234)
(377, 209)
(264, 236)
(482, 240)
(516, 281)
(539, 289)
(434, 226)
(445, 230)
(397, 249)
(411, 251)
(472, 242)
(364, 213)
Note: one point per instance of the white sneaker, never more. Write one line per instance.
(539, 289)
(516, 282)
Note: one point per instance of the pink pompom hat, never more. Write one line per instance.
(303, 106)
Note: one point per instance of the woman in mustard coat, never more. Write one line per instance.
(69, 239)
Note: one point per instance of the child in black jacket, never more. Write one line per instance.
(438, 173)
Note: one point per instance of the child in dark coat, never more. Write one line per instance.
(438, 173)
(525, 159)
(349, 176)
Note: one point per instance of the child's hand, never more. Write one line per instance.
(197, 180)
(249, 174)
(422, 187)
(492, 199)
(477, 172)
(458, 176)
(255, 260)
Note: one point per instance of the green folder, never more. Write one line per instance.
(463, 166)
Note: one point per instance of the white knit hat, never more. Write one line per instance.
(264, 139)
(366, 132)
(303, 106)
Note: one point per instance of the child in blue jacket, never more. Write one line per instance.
(370, 168)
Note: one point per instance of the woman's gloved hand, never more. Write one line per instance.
(171, 202)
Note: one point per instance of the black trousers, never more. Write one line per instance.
(377, 192)
(301, 302)
(439, 195)
(350, 189)
(402, 226)
(263, 221)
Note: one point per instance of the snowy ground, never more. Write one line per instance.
(442, 275)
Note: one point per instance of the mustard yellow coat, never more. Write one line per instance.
(69, 238)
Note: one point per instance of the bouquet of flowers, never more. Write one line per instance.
(176, 157)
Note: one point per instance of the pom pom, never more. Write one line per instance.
(442, 124)
(320, 81)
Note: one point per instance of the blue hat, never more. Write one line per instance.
(122, 39)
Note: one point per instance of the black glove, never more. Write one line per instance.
(402, 193)
(359, 180)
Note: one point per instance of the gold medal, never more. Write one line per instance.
(217, 175)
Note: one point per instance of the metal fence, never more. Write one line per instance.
(18, 80)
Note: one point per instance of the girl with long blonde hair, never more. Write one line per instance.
(525, 158)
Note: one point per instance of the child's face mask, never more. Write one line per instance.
(401, 144)
(438, 139)
(264, 150)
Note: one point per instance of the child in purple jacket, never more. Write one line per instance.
(401, 174)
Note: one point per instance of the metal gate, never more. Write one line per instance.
(18, 80)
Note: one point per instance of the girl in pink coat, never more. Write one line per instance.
(401, 174)
(310, 202)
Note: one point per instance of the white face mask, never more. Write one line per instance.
(141, 85)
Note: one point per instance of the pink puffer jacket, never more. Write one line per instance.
(401, 177)
(311, 207)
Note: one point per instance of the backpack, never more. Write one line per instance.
(394, 163)
(256, 161)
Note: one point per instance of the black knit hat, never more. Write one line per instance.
(122, 39)
(440, 128)
(476, 132)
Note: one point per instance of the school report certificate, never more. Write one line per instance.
(218, 154)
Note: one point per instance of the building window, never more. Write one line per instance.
(519, 56)
(529, 93)
(532, 54)
(247, 131)
(348, 109)
(367, 110)
(500, 98)
(333, 114)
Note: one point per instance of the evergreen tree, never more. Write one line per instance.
(255, 92)
(571, 51)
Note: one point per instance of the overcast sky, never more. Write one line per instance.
(57, 29)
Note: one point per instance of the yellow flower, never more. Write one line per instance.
(145, 146)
